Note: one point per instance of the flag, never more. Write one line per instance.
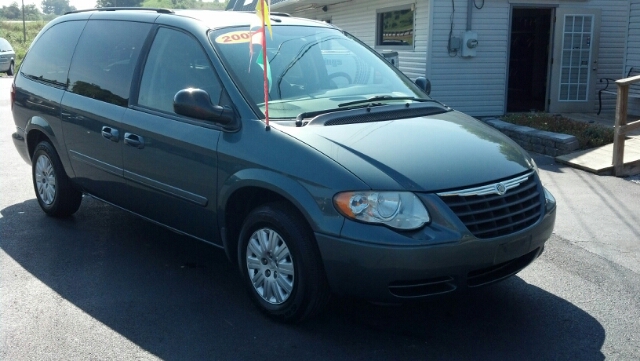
(258, 37)
(262, 10)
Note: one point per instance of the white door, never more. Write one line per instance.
(575, 60)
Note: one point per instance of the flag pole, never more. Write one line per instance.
(264, 61)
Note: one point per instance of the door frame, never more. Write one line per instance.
(554, 104)
(549, 55)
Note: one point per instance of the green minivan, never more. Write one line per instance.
(357, 183)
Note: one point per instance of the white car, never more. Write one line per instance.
(7, 57)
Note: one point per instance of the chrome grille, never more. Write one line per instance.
(494, 215)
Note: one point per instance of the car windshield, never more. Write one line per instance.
(310, 69)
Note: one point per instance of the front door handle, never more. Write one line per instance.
(134, 140)
(111, 134)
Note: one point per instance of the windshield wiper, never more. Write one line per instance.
(305, 115)
(385, 97)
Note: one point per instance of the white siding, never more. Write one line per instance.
(613, 38)
(358, 17)
(472, 85)
(633, 49)
(478, 85)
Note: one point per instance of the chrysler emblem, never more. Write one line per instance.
(501, 189)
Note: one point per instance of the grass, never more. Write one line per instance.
(12, 31)
(588, 135)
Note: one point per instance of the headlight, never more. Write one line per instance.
(533, 165)
(401, 210)
(550, 200)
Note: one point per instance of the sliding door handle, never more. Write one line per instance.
(134, 140)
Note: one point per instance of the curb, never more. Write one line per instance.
(535, 140)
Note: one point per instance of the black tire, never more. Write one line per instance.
(298, 262)
(11, 69)
(54, 192)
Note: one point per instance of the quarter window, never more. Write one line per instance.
(176, 61)
(49, 58)
(394, 27)
(105, 60)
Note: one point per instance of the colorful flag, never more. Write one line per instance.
(262, 10)
(258, 37)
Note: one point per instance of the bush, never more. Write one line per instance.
(588, 135)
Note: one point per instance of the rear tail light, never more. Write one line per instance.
(13, 93)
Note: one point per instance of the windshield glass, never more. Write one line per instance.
(310, 69)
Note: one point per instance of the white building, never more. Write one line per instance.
(546, 55)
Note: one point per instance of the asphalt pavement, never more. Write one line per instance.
(598, 213)
(105, 285)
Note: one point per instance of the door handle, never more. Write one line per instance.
(110, 133)
(134, 140)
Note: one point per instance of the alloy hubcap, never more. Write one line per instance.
(45, 180)
(270, 266)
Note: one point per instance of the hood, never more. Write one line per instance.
(430, 153)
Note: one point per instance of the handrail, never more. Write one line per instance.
(621, 127)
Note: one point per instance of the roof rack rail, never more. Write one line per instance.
(276, 13)
(158, 10)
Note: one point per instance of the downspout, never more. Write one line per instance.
(469, 10)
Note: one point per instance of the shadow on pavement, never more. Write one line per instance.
(181, 299)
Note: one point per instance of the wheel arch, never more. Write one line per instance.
(39, 129)
(251, 188)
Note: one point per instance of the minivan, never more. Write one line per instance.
(357, 183)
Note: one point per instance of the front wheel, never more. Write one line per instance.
(54, 192)
(280, 264)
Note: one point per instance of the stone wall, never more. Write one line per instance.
(538, 141)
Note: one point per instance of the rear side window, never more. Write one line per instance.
(49, 57)
(176, 61)
(105, 59)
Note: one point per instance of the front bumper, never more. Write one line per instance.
(387, 273)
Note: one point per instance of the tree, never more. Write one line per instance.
(12, 12)
(119, 3)
(31, 12)
(57, 7)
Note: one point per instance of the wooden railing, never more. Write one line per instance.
(622, 128)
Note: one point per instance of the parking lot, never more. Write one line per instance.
(106, 285)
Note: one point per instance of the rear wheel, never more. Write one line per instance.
(54, 192)
(281, 265)
(11, 69)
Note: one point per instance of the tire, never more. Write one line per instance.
(11, 69)
(280, 264)
(54, 192)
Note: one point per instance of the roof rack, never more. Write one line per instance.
(275, 13)
(158, 10)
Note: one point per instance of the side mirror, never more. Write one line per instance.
(424, 84)
(196, 103)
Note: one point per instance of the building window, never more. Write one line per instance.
(394, 27)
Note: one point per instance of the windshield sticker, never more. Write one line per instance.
(235, 37)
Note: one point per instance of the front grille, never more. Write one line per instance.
(494, 215)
